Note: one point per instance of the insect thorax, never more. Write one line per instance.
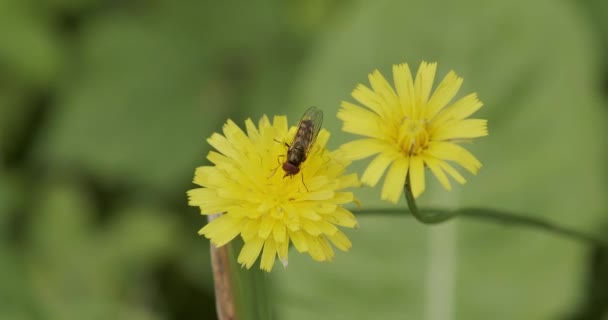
(296, 155)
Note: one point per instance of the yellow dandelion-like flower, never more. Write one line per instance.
(412, 128)
(266, 208)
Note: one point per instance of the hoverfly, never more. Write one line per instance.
(305, 136)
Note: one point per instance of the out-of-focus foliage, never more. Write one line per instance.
(535, 68)
(105, 107)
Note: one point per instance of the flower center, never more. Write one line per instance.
(413, 136)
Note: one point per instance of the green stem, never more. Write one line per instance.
(435, 216)
(425, 216)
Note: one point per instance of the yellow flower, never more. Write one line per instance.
(262, 205)
(411, 129)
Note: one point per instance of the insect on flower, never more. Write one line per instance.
(305, 136)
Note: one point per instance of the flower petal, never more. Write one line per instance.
(433, 164)
(452, 172)
(395, 180)
(340, 240)
(363, 148)
(250, 252)
(348, 181)
(326, 247)
(460, 109)
(269, 210)
(417, 176)
(315, 248)
(342, 217)
(453, 152)
(250, 229)
(468, 128)
(279, 233)
(402, 76)
(368, 98)
(444, 93)
(265, 227)
(222, 230)
(360, 121)
(423, 85)
(269, 254)
(299, 240)
(221, 144)
(414, 123)
(376, 168)
(208, 201)
(389, 101)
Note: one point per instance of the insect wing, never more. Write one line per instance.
(308, 128)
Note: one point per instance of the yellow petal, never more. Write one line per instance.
(326, 247)
(307, 212)
(405, 87)
(383, 90)
(252, 131)
(311, 227)
(315, 248)
(376, 168)
(236, 136)
(423, 85)
(348, 181)
(361, 121)
(417, 176)
(340, 240)
(264, 123)
(222, 230)
(395, 180)
(208, 201)
(280, 124)
(433, 164)
(343, 197)
(468, 128)
(342, 217)
(363, 148)
(318, 195)
(460, 109)
(268, 255)
(221, 144)
(368, 98)
(250, 229)
(453, 152)
(250, 252)
(279, 232)
(444, 93)
(299, 240)
(265, 227)
(326, 227)
(452, 172)
(283, 250)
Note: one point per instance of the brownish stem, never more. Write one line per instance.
(222, 279)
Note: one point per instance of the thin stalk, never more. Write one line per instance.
(424, 216)
(435, 216)
(223, 280)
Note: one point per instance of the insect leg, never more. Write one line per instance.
(278, 166)
(302, 174)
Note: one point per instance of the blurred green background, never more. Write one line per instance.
(105, 107)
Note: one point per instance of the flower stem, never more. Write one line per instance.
(223, 280)
(240, 294)
(425, 216)
(435, 216)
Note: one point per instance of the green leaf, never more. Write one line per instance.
(250, 288)
(140, 106)
(532, 64)
(29, 50)
(77, 269)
